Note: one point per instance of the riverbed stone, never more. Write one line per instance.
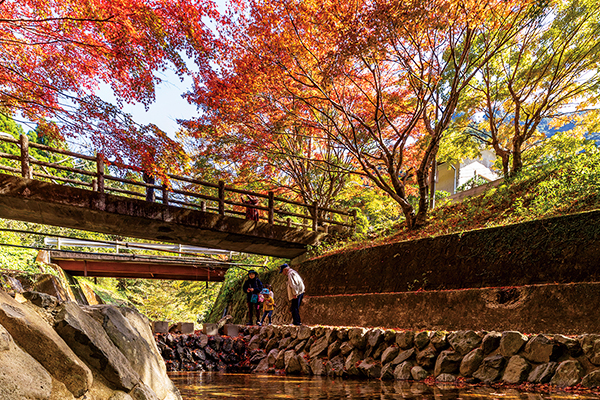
(263, 366)
(405, 339)
(418, 373)
(379, 350)
(402, 371)
(304, 332)
(335, 366)
(352, 361)
(317, 367)
(426, 358)
(464, 341)
(542, 373)
(540, 349)
(333, 349)
(86, 337)
(254, 343)
(346, 348)
(130, 332)
(591, 380)
(572, 345)
(568, 373)
(358, 338)
(421, 340)
(319, 347)
(119, 395)
(280, 360)
(40, 341)
(21, 376)
(511, 343)
(439, 340)
(447, 362)
(374, 337)
(370, 368)
(272, 356)
(490, 342)
(490, 368)
(517, 370)
(389, 354)
(590, 344)
(273, 343)
(283, 343)
(387, 372)
(389, 336)
(292, 365)
(471, 362)
(403, 356)
(304, 367)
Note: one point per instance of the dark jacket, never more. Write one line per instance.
(255, 284)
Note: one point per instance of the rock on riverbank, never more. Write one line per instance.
(489, 357)
(66, 351)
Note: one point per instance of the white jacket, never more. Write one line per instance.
(295, 285)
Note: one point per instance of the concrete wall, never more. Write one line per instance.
(535, 277)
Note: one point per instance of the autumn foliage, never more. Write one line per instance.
(56, 54)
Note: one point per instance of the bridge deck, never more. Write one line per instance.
(48, 203)
(126, 266)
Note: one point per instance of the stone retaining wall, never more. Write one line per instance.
(488, 357)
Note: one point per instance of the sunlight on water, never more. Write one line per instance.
(197, 385)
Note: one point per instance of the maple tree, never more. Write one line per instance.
(54, 55)
(548, 74)
(380, 81)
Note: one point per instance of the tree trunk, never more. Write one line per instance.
(517, 161)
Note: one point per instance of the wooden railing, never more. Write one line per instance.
(97, 174)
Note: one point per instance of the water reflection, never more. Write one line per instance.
(196, 385)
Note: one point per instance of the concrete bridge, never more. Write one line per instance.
(121, 200)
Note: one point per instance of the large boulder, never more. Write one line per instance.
(572, 345)
(439, 340)
(568, 373)
(335, 366)
(39, 340)
(21, 376)
(333, 349)
(517, 370)
(591, 348)
(370, 368)
(317, 366)
(387, 372)
(421, 340)
(374, 337)
(464, 342)
(130, 332)
(591, 380)
(352, 361)
(89, 341)
(418, 373)
(426, 358)
(511, 343)
(404, 356)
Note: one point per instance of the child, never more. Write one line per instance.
(268, 305)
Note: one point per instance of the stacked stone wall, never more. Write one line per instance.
(489, 357)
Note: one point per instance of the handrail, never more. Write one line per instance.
(176, 190)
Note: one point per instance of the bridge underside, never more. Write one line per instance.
(51, 204)
(122, 266)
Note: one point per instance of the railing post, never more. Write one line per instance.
(271, 208)
(100, 172)
(221, 198)
(203, 206)
(315, 216)
(353, 220)
(26, 171)
(165, 195)
(288, 221)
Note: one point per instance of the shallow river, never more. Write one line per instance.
(197, 385)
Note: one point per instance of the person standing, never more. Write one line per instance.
(295, 289)
(252, 287)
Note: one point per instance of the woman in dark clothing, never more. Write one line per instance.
(252, 288)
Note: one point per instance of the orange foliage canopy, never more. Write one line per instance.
(379, 79)
(55, 54)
